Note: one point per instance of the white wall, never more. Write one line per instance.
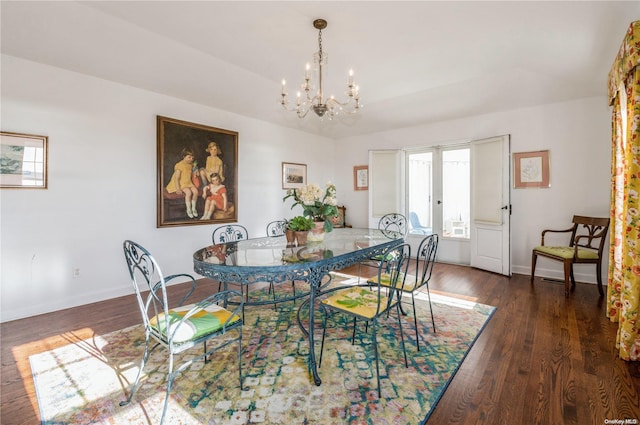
(102, 180)
(102, 185)
(578, 136)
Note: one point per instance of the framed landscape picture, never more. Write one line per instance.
(293, 175)
(197, 174)
(23, 161)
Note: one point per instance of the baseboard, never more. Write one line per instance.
(24, 311)
(7, 314)
(557, 274)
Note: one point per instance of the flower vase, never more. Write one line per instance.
(317, 233)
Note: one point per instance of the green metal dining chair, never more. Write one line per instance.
(276, 229)
(413, 284)
(368, 303)
(390, 225)
(180, 328)
(231, 233)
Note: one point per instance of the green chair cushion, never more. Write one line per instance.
(362, 302)
(202, 323)
(567, 252)
(385, 280)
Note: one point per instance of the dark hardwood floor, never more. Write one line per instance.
(542, 359)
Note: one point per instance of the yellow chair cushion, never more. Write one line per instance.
(202, 323)
(567, 252)
(360, 301)
(385, 280)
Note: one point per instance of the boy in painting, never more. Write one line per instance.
(181, 182)
(217, 198)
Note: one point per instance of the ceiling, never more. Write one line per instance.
(416, 62)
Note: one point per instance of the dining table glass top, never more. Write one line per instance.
(275, 252)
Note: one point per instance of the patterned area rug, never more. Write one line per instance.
(84, 382)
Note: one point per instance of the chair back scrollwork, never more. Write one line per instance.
(393, 222)
(229, 233)
(276, 228)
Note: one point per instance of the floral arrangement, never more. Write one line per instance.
(317, 204)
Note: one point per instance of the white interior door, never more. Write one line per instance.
(491, 205)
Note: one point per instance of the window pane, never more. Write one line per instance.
(420, 193)
(456, 193)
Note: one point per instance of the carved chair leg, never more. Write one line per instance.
(534, 258)
(568, 270)
(599, 278)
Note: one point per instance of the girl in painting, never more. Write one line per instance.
(213, 165)
(217, 199)
(181, 182)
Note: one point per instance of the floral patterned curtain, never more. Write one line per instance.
(623, 292)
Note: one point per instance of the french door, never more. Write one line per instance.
(438, 198)
(461, 192)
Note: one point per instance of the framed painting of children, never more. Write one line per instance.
(197, 174)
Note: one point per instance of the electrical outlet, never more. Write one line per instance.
(76, 272)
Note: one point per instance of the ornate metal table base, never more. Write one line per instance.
(270, 260)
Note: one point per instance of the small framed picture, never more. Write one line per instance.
(361, 177)
(23, 161)
(531, 169)
(293, 175)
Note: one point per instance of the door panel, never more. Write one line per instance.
(490, 194)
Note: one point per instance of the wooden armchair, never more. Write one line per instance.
(586, 245)
(341, 219)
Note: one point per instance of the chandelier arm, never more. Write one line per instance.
(346, 103)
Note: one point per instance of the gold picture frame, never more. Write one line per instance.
(23, 161)
(531, 169)
(176, 141)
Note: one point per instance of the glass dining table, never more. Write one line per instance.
(272, 260)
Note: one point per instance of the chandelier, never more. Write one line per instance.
(311, 97)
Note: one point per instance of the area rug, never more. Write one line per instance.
(84, 382)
